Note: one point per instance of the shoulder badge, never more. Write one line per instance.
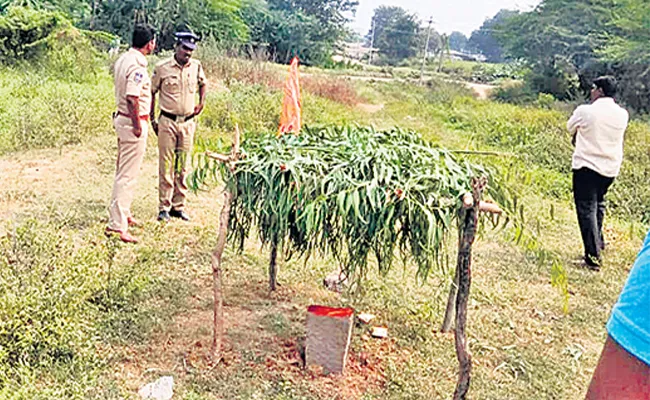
(138, 77)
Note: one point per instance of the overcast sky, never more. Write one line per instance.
(448, 15)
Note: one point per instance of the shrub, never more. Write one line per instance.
(23, 30)
(442, 91)
(629, 195)
(257, 108)
(252, 107)
(545, 100)
(515, 92)
(60, 301)
(47, 40)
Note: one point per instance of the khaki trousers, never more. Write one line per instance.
(130, 153)
(174, 156)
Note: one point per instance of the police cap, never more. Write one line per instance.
(187, 39)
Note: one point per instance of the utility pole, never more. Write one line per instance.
(445, 47)
(372, 41)
(426, 50)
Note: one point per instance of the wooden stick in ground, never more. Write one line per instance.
(273, 267)
(217, 278)
(450, 311)
(217, 256)
(468, 227)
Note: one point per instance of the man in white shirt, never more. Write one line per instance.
(598, 130)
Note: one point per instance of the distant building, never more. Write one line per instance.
(356, 51)
(459, 55)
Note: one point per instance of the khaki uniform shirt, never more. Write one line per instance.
(178, 85)
(132, 79)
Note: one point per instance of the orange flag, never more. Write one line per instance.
(290, 120)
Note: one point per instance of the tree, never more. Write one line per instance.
(631, 41)
(76, 9)
(558, 40)
(218, 19)
(625, 53)
(310, 30)
(484, 40)
(318, 26)
(458, 42)
(396, 33)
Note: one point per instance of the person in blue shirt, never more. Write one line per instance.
(623, 371)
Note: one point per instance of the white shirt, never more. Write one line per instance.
(600, 128)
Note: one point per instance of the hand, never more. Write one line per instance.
(154, 126)
(137, 130)
(198, 109)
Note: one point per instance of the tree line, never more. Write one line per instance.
(398, 35)
(567, 43)
(564, 43)
(280, 28)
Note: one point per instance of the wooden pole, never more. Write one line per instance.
(426, 50)
(217, 255)
(450, 311)
(468, 227)
(217, 278)
(273, 267)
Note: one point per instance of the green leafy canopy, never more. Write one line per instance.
(349, 192)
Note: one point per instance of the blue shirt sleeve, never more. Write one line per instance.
(629, 324)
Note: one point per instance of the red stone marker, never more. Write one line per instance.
(328, 337)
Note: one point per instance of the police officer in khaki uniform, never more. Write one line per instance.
(177, 81)
(133, 98)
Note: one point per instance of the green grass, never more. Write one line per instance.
(69, 329)
(67, 292)
(39, 111)
(468, 71)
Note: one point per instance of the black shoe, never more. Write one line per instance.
(163, 216)
(582, 263)
(179, 214)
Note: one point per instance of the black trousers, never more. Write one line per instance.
(589, 189)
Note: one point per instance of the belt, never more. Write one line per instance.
(143, 117)
(176, 118)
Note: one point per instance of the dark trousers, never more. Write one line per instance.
(589, 189)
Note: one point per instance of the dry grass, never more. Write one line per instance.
(340, 90)
(258, 72)
(246, 71)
